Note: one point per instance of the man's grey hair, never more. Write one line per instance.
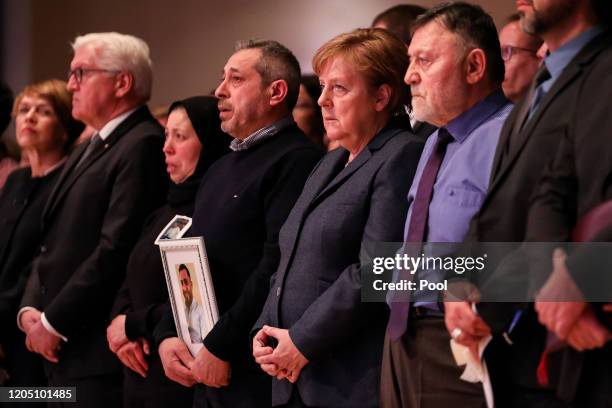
(121, 52)
(276, 62)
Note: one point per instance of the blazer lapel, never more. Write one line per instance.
(357, 163)
(70, 163)
(319, 178)
(72, 173)
(528, 130)
(325, 173)
(344, 174)
(328, 179)
(571, 72)
(505, 135)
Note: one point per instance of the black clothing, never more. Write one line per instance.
(242, 202)
(21, 206)
(90, 225)
(144, 293)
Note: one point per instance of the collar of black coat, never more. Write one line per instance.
(139, 115)
(396, 125)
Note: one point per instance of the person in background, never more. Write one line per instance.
(85, 135)
(329, 342)
(520, 54)
(7, 163)
(45, 132)
(161, 114)
(307, 113)
(399, 20)
(194, 141)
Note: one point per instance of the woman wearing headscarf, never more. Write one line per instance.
(45, 132)
(319, 341)
(194, 140)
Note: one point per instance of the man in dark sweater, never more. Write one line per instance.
(242, 202)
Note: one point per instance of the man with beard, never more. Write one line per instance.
(568, 303)
(578, 47)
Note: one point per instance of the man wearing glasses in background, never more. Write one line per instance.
(94, 214)
(520, 54)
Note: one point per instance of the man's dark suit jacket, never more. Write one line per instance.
(90, 223)
(316, 292)
(503, 215)
(579, 179)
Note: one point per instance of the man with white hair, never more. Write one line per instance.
(93, 216)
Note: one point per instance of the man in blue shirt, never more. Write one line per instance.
(455, 76)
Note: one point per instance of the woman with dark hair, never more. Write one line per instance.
(307, 112)
(45, 132)
(194, 140)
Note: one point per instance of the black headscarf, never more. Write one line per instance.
(204, 116)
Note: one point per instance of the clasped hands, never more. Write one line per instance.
(282, 361)
(38, 338)
(131, 353)
(560, 306)
(562, 309)
(182, 368)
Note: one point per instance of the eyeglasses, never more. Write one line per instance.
(508, 50)
(79, 72)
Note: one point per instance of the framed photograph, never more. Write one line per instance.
(174, 229)
(190, 287)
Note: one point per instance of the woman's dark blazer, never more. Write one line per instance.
(342, 213)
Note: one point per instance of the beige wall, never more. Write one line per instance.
(190, 40)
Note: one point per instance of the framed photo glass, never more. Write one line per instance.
(190, 288)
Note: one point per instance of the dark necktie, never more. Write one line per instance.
(420, 206)
(542, 76)
(94, 142)
(398, 319)
(531, 103)
(532, 99)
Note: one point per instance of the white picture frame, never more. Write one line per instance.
(189, 253)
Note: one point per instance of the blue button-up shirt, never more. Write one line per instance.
(557, 61)
(463, 177)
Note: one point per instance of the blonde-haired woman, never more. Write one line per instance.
(44, 131)
(328, 344)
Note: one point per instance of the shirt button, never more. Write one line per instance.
(43, 249)
(43, 290)
(278, 290)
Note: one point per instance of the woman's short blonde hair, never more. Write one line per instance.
(56, 92)
(377, 54)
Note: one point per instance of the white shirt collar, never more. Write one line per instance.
(113, 123)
